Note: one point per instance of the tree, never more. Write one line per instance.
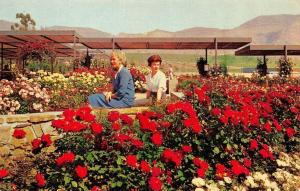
(26, 22)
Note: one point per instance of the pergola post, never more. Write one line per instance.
(285, 52)
(10, 63)
(206, 55)
(113, 44)
(74, 52)
(216, 51)
(51, 60)
(2, 61)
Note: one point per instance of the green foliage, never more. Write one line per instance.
(26, 22)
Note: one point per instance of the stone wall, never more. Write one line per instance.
(34, 124)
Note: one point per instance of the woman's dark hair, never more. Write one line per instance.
(154, 58)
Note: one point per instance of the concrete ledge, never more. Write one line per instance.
(128, 111)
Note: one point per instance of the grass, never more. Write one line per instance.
(187, 62)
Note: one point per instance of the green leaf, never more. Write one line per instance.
(67, 179)
(182, 178)
(113, 185)
(119, 184)
(180, 173)
(216, 150)
(74, 184)
(90, 157)
(83, 186)
(120, 160)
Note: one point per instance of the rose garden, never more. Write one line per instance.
(225, 133)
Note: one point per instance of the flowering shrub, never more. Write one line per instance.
(139, 79)
(72, 89)
(22, 95)
(224, 133)
(285, 67)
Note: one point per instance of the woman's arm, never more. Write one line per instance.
(160, 92)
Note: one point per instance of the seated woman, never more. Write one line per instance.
(156, 80)
(123, 88)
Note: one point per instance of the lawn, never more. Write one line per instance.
(186, 62)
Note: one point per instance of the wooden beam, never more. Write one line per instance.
(216, 51)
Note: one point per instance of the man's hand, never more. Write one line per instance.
(107, 96)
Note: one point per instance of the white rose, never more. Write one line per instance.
(227, 180)
(199, 182)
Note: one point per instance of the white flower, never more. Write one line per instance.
(227, 180)
(199, 189)
(199, 182)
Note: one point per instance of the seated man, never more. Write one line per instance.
(123, 87)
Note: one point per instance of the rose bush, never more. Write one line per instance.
(22, 95)
(226, 131)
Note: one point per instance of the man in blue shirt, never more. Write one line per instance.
(123, 87)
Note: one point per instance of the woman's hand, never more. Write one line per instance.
(108, 96)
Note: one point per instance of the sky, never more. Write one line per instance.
(139, 16)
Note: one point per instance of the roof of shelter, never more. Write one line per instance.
(164, 43)
(274, 50)
(13, 39)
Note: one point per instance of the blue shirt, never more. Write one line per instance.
(123, 87)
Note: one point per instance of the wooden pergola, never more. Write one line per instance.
(64, 42)
(69, 43)
(177, 43)
(269, 50)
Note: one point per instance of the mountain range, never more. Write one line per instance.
(266, 29)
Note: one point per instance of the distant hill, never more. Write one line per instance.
(267, 29)
(83, 31)
(5, 25)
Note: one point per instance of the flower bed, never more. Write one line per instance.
(229, 135)
(42, 91)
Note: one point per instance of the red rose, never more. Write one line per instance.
(238, 169)
(97, 128)
(67, 157)
(165, 124)
(247, 162)
(290, 132)
(95, 188)
(46, 139)
(131, 160)
(203, 167)
(267, 127)
(121, 138)
(113, 116)
(40, 179)
(253, 144)
(221, 171)
(173, 156)
(69, 114)
(116, 126)
(3, 173)
(137, 143)
(294, 110)
(19, 133)
(277, 126)
(186, 148)
(126, 119)
(81, 171)
(156, 171)
(216, 111)
(155, 183)
(84, 113)
(157, 139)
(145, 167)
(36, 144)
